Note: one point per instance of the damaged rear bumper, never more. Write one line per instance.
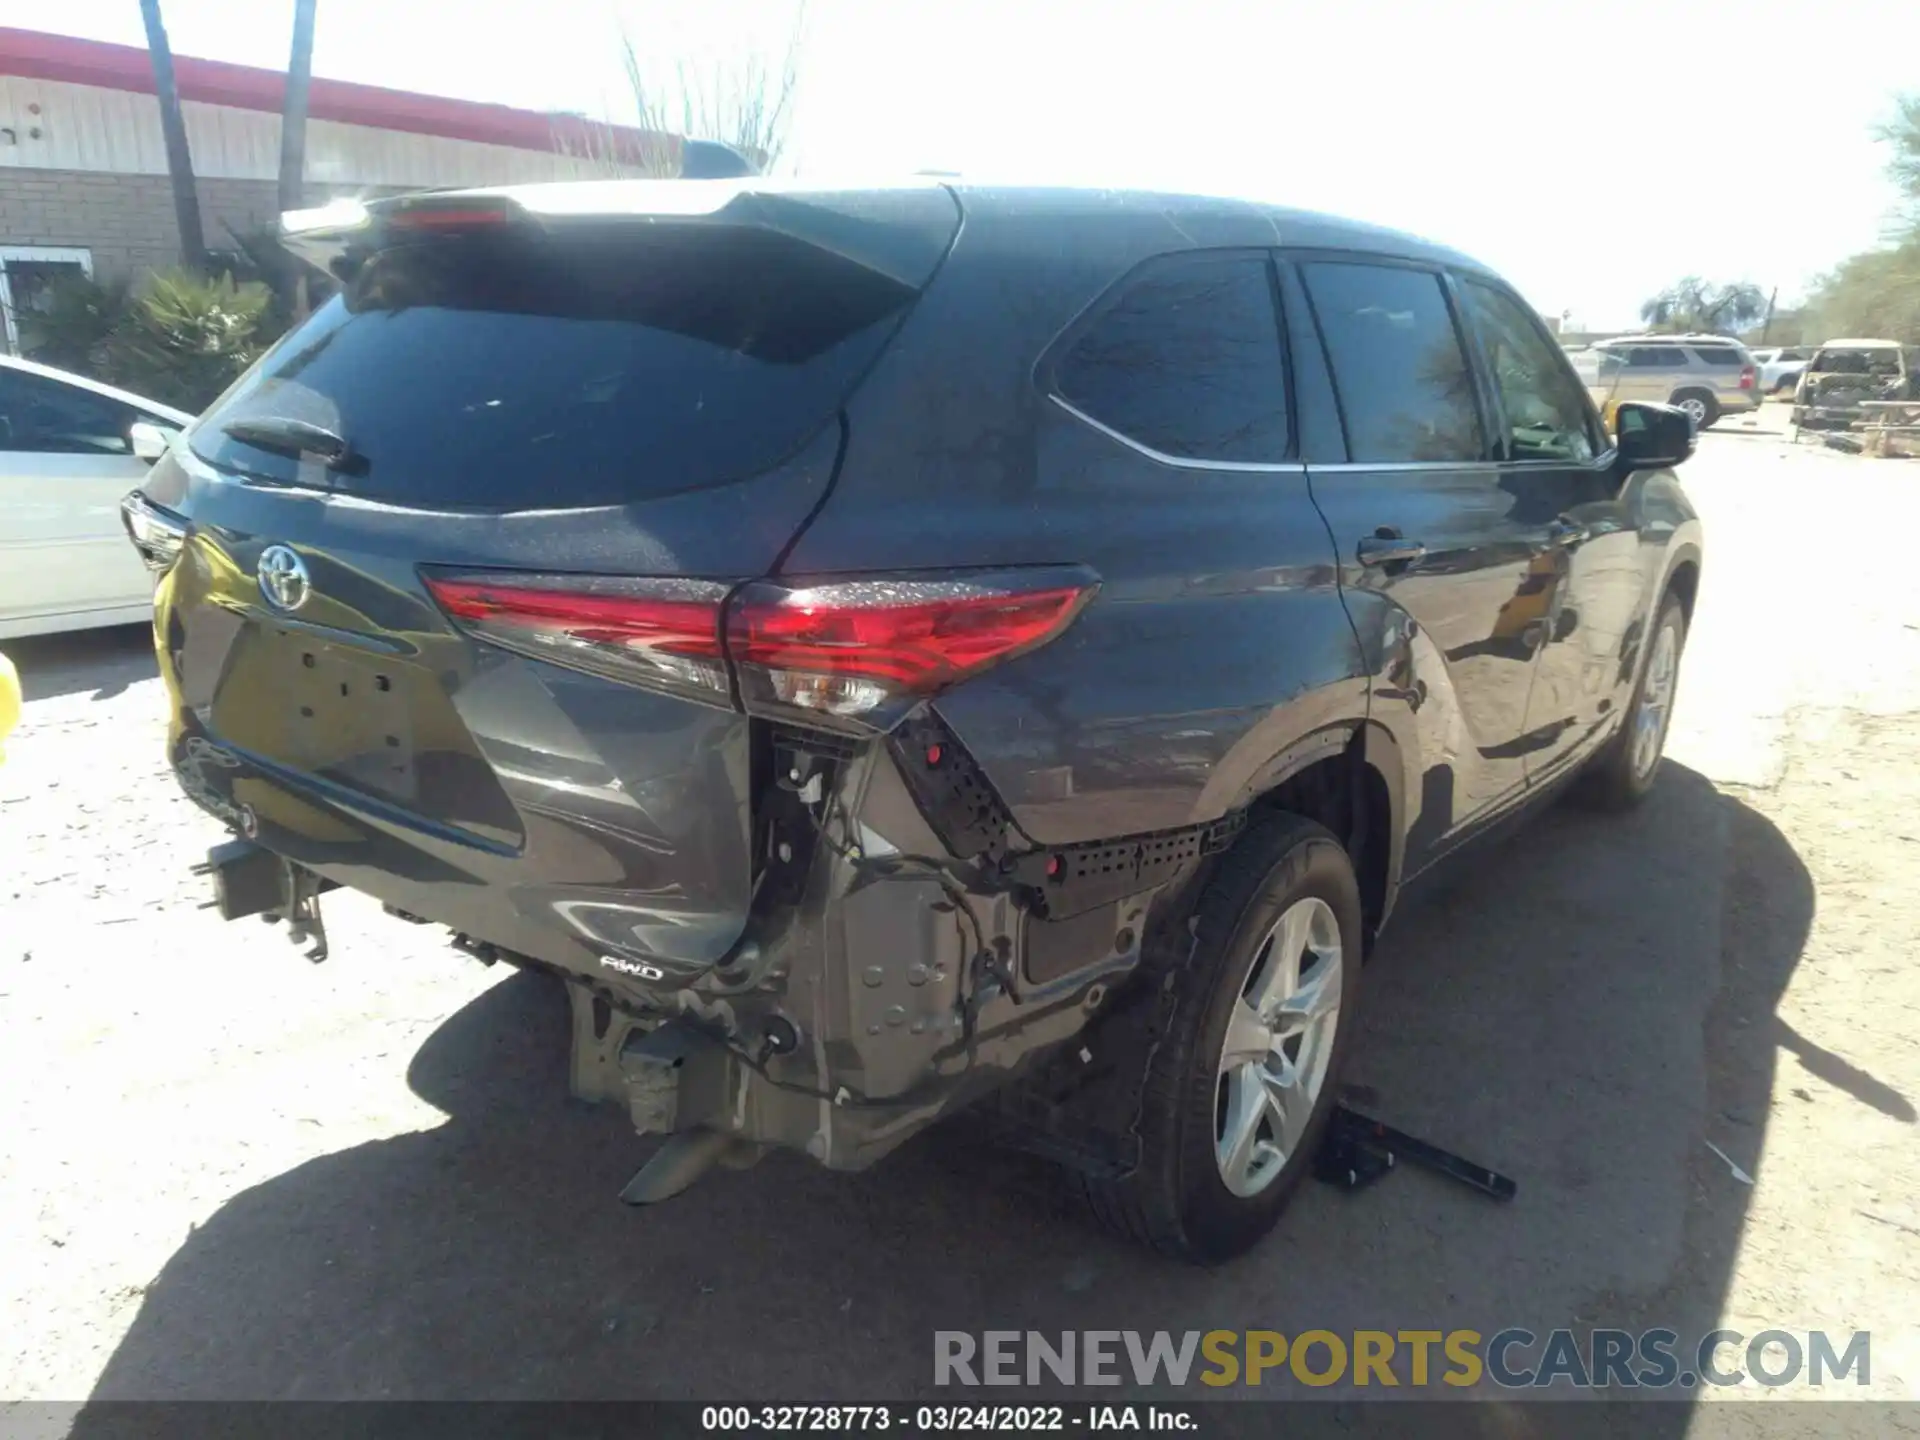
(871, 994)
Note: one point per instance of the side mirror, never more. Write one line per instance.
(149, 441)
(1652, 437)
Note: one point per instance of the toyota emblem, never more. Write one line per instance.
(283, 578)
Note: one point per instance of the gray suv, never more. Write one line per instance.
(892, 650)
(1705, 375)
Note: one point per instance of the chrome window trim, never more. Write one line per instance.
(1246, 467)
(1597, 466)
(1397, 465)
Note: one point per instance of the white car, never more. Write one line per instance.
(1780, 369)
(70, 449)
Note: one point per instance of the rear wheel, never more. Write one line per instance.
(1242, 1080)
(1621, 775)
(1700, 405)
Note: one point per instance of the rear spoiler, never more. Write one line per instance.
(900, 231)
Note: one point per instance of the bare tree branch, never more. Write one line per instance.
(743, 100)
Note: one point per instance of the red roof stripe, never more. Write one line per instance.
(34, 55)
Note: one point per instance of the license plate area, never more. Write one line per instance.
(324, 708)
(352, 720)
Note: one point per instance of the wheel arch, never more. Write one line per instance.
(1348, 776)
(1683, 580)
(1703, 393)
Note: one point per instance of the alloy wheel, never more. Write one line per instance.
(1656, 701)
(1278, 1047)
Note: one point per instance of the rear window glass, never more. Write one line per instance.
(1857, 362)
(1406, 393)
(601, 365)
(1720, 355)
(1187, 362)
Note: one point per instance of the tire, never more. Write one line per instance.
(1701, 405)
(1620, 776)
(1179, 1200)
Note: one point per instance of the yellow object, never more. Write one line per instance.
(9, 702)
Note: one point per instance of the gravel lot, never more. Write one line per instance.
(227, 1173)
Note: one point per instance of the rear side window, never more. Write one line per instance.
(1720, 355)
(1406, 393)
(598, 365)
(1187, 362)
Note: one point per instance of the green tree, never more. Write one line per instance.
(1700, 307)
(1903, 134)
(1877, 292)
(186, 338)
(72, 322)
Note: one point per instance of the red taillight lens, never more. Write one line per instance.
(850, 647)
(660, 633)
(1746, 378)
(428, 217)
(838, 647)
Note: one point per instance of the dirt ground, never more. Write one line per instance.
(227, 1173)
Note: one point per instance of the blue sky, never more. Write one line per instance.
(1591, 152)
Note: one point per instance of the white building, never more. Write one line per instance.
(83, 166)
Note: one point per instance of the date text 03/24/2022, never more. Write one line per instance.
(923, 1419)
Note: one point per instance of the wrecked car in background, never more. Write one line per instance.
(1846, 378)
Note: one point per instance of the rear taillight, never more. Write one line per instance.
(440, 217)
(664, 634)
(849, 647)
(1747, 378)
(844, 647)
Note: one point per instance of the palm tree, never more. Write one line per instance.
(293, 150)
(293, 109)
(186, 198)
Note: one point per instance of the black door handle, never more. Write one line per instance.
(1388, 549)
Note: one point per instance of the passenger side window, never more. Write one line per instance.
(1655, 357)
(1187, 362)
(1545, 409)
(49, 416)
(1406, 392)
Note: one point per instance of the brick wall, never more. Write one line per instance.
(126, 220)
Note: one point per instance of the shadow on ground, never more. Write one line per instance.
(1558, 1013)
(105, 662)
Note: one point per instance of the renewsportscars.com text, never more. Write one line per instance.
(1513, 1358)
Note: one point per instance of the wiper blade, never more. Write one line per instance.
(297, 439)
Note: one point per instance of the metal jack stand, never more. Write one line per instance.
(1357, 1150)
